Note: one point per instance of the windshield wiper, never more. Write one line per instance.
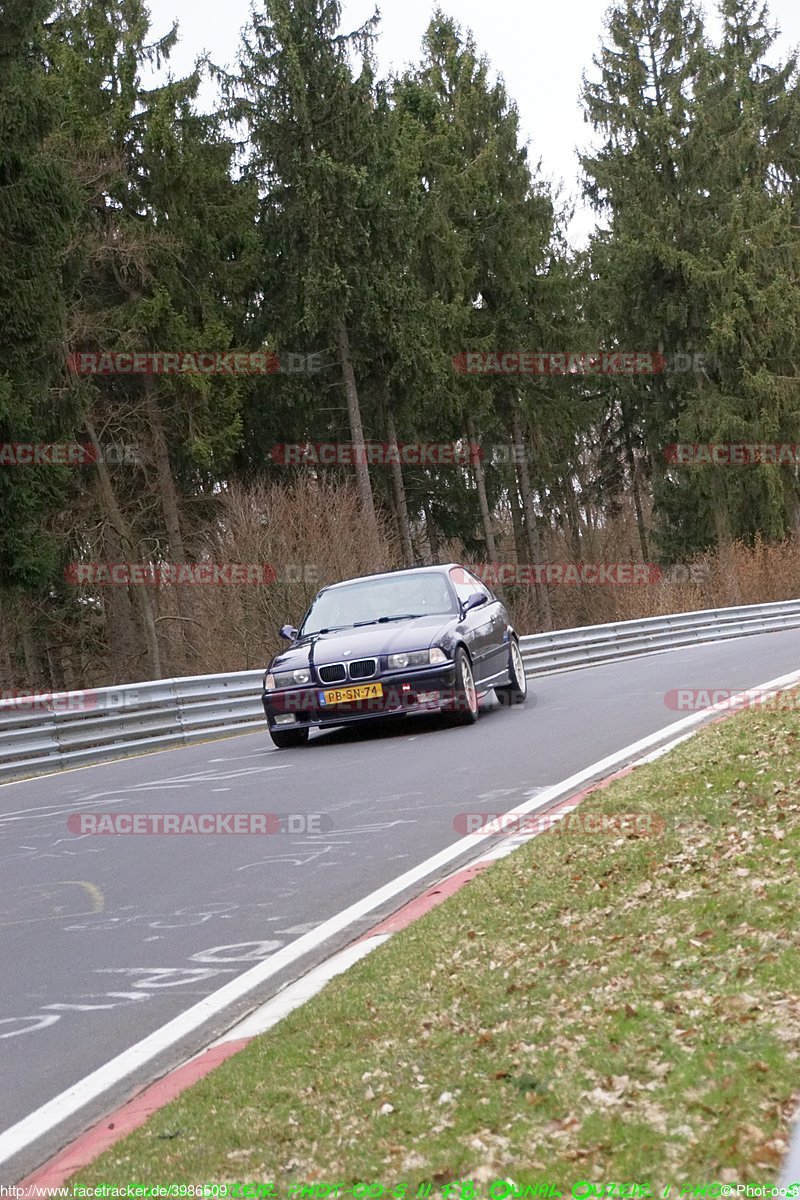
(361, 624)
(383, 620)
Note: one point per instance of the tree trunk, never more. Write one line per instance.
(518, 521)
(480, 481)
(725, 553)
(637, 497)
(57, 683)
(573, 517)
(192, 651)
(531, 525)
(7, 672)
(34, 668)
(356, 429)
(430, 529)
(722, 527)
(399, 490)
(118, 613)
(66, 662)
(125, 535)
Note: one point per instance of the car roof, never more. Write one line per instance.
(436, 568)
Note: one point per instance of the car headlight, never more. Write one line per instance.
(416, 658)
(284, 679)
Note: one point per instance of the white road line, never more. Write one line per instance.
(664, 749)
(114, 795)
(71, 1101)
(298, 993)
(237, 757)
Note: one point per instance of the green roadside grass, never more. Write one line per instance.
(592, 1007)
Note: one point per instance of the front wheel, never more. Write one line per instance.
(515, 691)
(288, 739)
(465, 704)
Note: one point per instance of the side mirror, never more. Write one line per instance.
(289, 632)
(474, 601)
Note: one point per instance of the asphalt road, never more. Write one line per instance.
(105, 938)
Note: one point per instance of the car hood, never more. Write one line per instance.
(344, 645)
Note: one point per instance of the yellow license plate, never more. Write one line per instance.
(366, 691)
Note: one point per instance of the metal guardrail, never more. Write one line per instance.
(71, 729)
(79, 728)
(565, 648)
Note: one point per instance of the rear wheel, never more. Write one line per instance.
(515, 691)
(288, 739)
(465, 706)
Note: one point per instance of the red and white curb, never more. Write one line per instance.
(558, 800)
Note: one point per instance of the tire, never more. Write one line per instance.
(516, 691)
(289, 739)
(465, 709)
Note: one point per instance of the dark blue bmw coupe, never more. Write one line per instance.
(419, 640)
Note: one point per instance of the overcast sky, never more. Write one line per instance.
(540, 47)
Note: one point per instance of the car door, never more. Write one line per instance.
(499, 637)
(478, 624)
(496, 636)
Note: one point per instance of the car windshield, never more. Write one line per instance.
(371, 600)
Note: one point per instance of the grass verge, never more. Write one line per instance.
(593, 1007)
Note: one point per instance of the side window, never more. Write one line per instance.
(466, 583)
(480, 587)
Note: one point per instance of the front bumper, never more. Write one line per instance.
(429, 689)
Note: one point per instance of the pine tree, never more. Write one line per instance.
(487, 243)
(638, 298)
(745, 162)
(38, 207)
(312, 150)
(695, 177)
(165, 230)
